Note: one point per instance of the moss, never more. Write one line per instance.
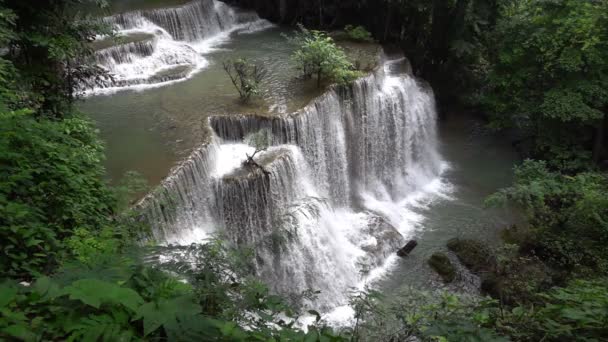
(475, 255)
(443, 266)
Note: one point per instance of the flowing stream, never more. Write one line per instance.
(350, 177)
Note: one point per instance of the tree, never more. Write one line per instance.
(245, 76)
(549, 77)
(318, 55)
(51, 50)
(260, 140)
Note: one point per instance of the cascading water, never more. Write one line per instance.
(168, 44)
(336, 199)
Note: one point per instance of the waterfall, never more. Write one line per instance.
(168, 44)
(333, 201)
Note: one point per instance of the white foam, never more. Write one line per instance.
(230, 157)
(137, 73)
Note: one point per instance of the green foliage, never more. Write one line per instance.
(131, 186)
(568, 216)
(114, 299)
(93, 309)
(358, 33)
(578, 312)
(50, 49)
(576, 204)
(428, 316)
(245, 76)
(52, 185)
(549, 75)
(261, 139)
(318, 55)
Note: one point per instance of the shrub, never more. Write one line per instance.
(358, 33)
(318, 55)
(571, 205)
(245, 76)
(52, 185)
(115, 299)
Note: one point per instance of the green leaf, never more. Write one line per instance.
(95, 292)
(166, 313)
(20, 331)
(7, 294)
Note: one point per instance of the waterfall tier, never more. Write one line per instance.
(332, 203)
(168, 44)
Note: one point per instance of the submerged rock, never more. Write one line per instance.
(443, 266)
(475, 255)
(407, 249)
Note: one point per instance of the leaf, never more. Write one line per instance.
(7, 294)
(102, 327)
(46, 288)
(95, 292)
(20, 331)
(166, 313)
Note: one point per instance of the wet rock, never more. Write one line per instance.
(384, 239)
(407, 249)
(443, 266)
(475, 255)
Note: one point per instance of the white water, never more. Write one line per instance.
(350, 176)
(173, 43)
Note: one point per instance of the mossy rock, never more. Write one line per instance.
(443, 266)
(475, 255)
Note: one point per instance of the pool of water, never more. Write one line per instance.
(150, 130)
(478, 165)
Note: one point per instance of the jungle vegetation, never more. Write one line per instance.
(69, 265)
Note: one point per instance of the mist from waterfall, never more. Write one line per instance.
(347, 179)
(161, 46)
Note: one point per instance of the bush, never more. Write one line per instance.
(569, 206)
(116, 299)
(358, 33)
(245, 76)
(52, 185)
(319, 56)
(410, 314)
(578, 312)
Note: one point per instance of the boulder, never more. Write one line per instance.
(407, 249)
(443, 266)
(473, 254)
(383, 239)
